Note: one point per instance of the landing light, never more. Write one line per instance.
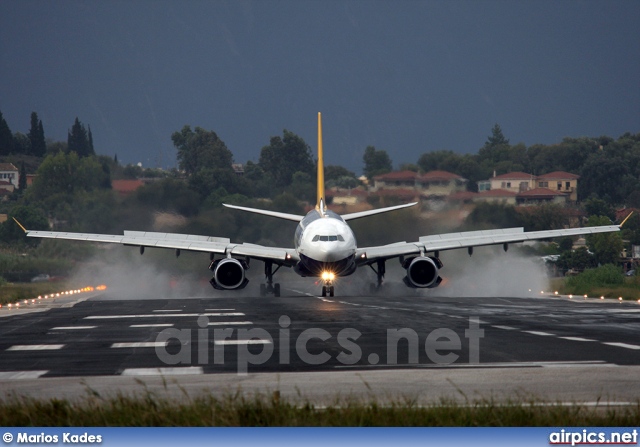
(328, 276)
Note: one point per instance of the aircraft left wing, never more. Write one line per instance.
(176, 241)
(470, 239)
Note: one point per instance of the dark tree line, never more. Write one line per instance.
(79, 140)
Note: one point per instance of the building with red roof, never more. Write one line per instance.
(537, 196)
(521, 182)
(126, 187)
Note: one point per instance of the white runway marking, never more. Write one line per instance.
(153, 325)
(576, 339)
(544, 334)
(35, 347)
(168, 310)
(506, 328)
(140, 344)
(253, 341)
(623, 345)
(179, 371)
(70, 328)
(219, 310)
(206, 314)
(17, 375)
(229, 323)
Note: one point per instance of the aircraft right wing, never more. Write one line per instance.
(470, 239)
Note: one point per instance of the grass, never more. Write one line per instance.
(607, 281)
(237, 410)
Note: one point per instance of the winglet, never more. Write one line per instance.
(625, 219)
(20, 225)
(322, 200)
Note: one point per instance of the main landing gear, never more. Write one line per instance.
(270, 288)
(380, 271)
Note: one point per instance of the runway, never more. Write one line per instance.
(308, 347)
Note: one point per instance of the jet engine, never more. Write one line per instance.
(422, 272)
(229, 274)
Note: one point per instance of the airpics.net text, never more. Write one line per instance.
(442, 346)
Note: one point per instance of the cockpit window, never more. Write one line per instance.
(331, 238)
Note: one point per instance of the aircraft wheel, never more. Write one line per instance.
(276, 289)
(324, 290)
(263, 290)
(331, 291)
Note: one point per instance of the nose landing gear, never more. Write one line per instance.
(327, 288)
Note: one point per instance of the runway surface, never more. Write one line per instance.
(308, 347)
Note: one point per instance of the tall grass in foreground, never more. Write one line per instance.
(260, 410)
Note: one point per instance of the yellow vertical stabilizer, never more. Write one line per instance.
(322, 200)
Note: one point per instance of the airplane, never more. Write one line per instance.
(324, 246)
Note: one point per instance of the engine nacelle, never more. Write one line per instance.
(422, 272)
(229, 274)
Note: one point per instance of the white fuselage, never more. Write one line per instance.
(325, 243)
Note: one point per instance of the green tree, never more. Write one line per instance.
(21, 144)
(6, 137)
(337, 176)
(549, 216)
(303, 186)
(580, 259)
(598, 207)
(30, 217)
(496, 148)
(493, 215)
(67, 174)
(54, 147)
(169, 195)
(210, 179)
(78, 140)
(285, 156)
(90, 140)
(376, 162)
(604, 177)
(38, 145)
(260, 183)
(444, 160)
(201, 149)
(606, 247)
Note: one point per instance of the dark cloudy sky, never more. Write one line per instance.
(406, 76)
